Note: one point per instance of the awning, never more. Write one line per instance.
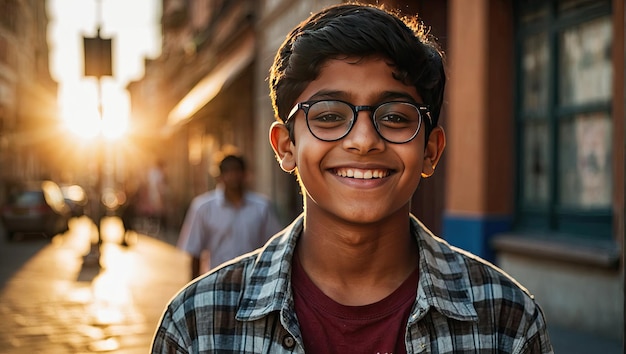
(206, 90)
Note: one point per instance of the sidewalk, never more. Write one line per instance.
(52, 303)
(566, 341)
(56, 304)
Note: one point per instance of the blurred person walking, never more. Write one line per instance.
(228, 221)
(128, 214)
(156, 191)
(149, 210)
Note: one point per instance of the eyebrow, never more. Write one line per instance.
(383, 96)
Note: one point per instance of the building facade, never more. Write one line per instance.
(533, 173)
(28, 94)
(535, 127)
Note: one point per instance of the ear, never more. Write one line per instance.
(282, 146)
(433, 151)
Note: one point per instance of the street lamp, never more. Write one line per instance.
(98, 63)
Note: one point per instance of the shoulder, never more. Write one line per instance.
(481, 275)
(219, 311)
(506, 308)
(203, 309)
(493, 289)
(463, 276)
(257, 272)
(205, 198)
(461, 285)
(455, 262)
(223, 285)
(221, 288)
(257, 198)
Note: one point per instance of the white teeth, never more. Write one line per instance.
(361, 174)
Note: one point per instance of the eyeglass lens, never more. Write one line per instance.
(395, 121)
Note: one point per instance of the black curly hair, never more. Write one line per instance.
(360, 30)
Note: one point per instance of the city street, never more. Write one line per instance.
(52, 302)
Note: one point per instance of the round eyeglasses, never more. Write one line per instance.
(330, 120)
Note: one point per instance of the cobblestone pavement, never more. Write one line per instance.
(54, 300)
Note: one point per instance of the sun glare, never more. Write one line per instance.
(79, 110)
(115, 116)
(134, 27)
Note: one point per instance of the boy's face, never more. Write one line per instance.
(322, 166)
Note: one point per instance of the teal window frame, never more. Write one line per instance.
(550, 216)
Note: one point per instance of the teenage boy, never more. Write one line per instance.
(357, 93)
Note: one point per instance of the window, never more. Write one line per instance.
(564, 117)
(8, 15)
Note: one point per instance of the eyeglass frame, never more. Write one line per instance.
(306, 105)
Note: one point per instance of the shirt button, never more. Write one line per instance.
(288, 341)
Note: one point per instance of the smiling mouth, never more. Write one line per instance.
(361, 174)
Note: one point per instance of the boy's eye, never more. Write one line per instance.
(328, 117)
(397, 115)
(393, 118)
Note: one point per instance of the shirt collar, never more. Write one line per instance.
(443, 283)
(268, 286)
(220, 195)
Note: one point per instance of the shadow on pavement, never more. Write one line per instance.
(88, 273)
(15, 254)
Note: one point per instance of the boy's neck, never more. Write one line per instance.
(358, 264)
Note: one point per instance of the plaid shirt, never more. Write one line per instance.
(463, 305)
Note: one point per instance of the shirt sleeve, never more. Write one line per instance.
(536, 339)
(168, 339)
(189, 239)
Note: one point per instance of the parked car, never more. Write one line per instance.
(36, 208)
(75, 198)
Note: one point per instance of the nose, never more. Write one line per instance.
(363, 137)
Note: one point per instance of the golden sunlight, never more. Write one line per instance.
(79, 110)
(134, 28)
(115, 118)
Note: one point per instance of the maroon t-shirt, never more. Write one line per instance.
(330, 327)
